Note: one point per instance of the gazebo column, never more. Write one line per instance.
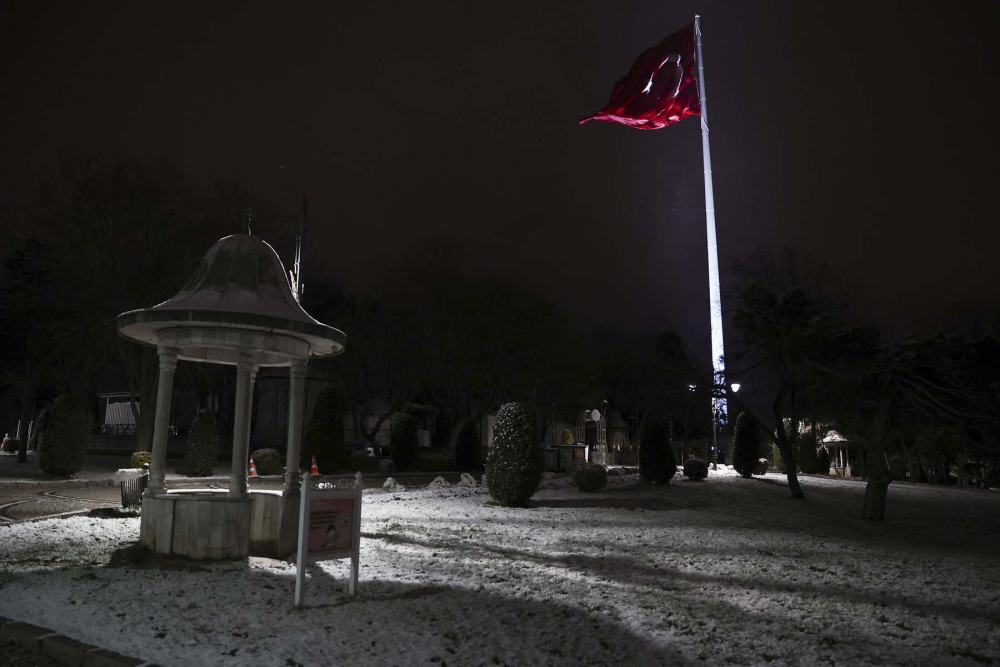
(161, 421)
(246, 371)
(296, 395)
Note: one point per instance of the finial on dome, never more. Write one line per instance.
(246, 223)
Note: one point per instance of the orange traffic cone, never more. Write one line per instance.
(253, 470)
(314, 470)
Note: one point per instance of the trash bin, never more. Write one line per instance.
(385, 466)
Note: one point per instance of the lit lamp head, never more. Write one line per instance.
(735, 386)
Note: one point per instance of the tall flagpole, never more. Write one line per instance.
(714, 291)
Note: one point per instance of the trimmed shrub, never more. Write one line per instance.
(140, 459)
(467, 447)
(779, 463)
(324, 438)
(10, 445)
(65, 440)
(823, 462)
(267, 461)
(807, 455)
(567, 437)
(202, 445)
(361, 461)
(656, 456)
(695, 469)
(405, 445)
(514, 463)
(40, 423)
(746, 445)
(590, 477)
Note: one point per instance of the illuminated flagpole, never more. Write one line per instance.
(714, 291)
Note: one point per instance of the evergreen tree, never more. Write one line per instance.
(656, 456)
(746, 445)
(467, 447)
(324, 438)
(514, 464)
(405, 443)
(202, 445)
(808, 462)
(823, 462)
(64, 441)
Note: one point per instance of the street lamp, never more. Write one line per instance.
(715, 433)
(735, 386)
(604, 404)
(634, 439)
(553, 424)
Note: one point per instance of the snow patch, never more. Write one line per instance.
(724, 572)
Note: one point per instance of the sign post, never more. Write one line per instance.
(329, 529)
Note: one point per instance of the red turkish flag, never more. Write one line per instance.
(660, 89)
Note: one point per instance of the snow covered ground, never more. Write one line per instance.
(726, 571)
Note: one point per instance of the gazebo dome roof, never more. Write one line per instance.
(238, 299)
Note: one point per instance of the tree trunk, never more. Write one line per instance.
(793, 480)
(875, 495)
(785, 447)
(909, 461)
(989, 468)
(22, 448)
(877, 490)
(149, 376)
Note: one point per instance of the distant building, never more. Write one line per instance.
(427, 417)
(269, 415)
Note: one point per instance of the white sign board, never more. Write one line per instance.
(329, 529)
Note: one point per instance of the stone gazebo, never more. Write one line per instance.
(237, 309)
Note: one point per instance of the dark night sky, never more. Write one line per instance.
(861, 132)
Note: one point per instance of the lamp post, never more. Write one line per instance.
(484, 440)
(715, 433)
(634, 439)
(715, 424)
(553, 429)
(604, 404)
(717, 391)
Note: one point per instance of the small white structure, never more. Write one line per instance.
(591, 429)
(237, 309)
(839, 448)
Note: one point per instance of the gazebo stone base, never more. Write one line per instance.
(211, 524)
(274, 524)
(200, 525)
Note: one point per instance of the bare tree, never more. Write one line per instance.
(118, 234)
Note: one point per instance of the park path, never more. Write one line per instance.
(27, 494)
